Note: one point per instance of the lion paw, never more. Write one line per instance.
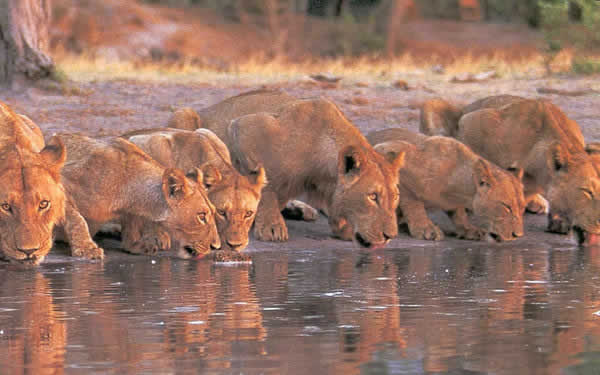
(298, 210)
(275, 231)
(472, 234)
(538, 205)
(151, 245)
(91, 252)
(429, 232)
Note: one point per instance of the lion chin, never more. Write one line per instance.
(585, 238)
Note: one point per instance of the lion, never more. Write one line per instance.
(235, 196)
(462, 181)
(537, 137)
(158, 208)
(32, 197)
(307, 146)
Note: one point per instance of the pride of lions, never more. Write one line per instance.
(205, 180)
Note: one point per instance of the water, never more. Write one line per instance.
(456, 307)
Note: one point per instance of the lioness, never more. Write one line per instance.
(536, 136)
(308, 146)
(461, 180)
(32, 197)
(116, 181)
(235, 196)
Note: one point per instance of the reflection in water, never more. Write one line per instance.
(481, 310)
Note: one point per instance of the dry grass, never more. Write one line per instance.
(259, 69)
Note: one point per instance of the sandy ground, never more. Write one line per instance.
(105, 109)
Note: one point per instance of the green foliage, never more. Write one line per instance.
(354, 38)
(583, 65)
(560, 31)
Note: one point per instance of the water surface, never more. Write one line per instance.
(314, 306)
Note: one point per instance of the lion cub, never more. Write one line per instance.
(32, 198)
(537, 137)
(440, 172)
(307, 146)
(116, 181)
(235, 196)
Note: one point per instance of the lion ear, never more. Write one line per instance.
(558, 159)
(175, 185)
(350, 161)
(55, 153)
(398, 162)
(211, 175)
(517, 172)
(482, 175)
(258, 178)
(389, 153)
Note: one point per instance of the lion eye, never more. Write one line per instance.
(6, 207)
(221, 212)
(373, 197)
(507, 208)
(201, 217)
(44, 204)
(249, 214)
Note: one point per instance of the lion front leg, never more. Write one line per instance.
(143, 237)
(78, 235)
(298, 210)
(419, 225)
(464, 229)
(269, 224)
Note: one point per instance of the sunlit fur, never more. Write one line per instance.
(442, 173)
(308, 147)
(234, 196)
(32, 199)
(534, 136)
(117, 182)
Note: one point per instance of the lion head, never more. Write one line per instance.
(574, 192)
(190, 220)
(366, 196)
(235, 198)
(32, 201)
(499, 203)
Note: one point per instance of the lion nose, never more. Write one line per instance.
(28, 251)
(234, 246)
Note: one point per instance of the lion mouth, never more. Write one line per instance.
(363, 242)
(193, 252)
(495, 237)
(586, 238)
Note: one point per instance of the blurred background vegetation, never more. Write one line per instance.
(555, 35)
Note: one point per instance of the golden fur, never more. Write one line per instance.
(158, 208)
(535, 136)
(309, 147)
(32, 198)
(462, 181)
(235, 196)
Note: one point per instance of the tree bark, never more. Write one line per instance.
(24, 41)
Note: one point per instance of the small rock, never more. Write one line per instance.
(470, 77)
(401, 84)
(438, 69)
(357, 100)
(325, 78)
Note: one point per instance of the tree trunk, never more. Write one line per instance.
(24, 41)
